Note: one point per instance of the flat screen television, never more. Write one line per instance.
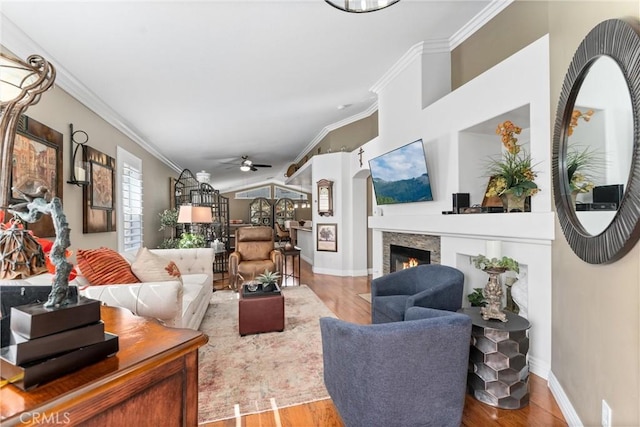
(400, 176)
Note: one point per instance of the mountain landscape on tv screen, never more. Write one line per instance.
(416, 189)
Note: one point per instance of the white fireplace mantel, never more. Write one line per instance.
(529, 226)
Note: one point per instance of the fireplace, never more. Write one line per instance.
(402, 257)
(423, 242)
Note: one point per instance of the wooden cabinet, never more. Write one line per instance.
(283, 211)
(152, 380)
(261, 212)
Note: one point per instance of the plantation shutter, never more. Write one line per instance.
(132, 206)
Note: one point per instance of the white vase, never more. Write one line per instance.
(520, 295)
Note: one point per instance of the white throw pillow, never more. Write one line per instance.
(150, 267)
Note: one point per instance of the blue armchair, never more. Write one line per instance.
(428, 285)
(404, 374)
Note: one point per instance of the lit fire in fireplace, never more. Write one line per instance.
(412, 262)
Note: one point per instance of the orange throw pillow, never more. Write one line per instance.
(104, 266)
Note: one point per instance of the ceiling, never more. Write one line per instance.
(203, 83)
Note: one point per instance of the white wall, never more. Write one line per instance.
(458, 132)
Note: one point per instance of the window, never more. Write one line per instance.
(130, 189)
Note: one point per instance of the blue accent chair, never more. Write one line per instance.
(427, 285)
(400, 374)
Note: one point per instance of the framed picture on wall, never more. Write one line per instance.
(37, 162)
(101, 186)
(98, 203)
(327, 239)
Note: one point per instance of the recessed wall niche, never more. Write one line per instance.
(478, 143)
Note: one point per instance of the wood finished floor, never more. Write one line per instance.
(341, 295)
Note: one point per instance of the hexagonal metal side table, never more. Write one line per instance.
(498, 369)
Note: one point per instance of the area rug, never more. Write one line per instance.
(243, 375)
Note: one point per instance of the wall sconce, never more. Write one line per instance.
(79, 167)
(361, 6)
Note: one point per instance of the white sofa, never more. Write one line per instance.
(174, 303)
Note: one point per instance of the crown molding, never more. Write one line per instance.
(325, 130)
(416, 51)
(478, 21)
(441, 45)
(21, 45)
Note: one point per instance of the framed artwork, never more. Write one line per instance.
(494, 201)
(98, 203)
(327, 239)
(101, 186)
(37, 161)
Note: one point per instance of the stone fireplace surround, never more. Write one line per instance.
(417, 241)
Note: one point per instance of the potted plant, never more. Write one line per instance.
(505, 263)
(476, 298)
(268, 280)
(512, 177)
(169, 243)
(492, 292)
(168, 219)
(191, 240)
(582, 162)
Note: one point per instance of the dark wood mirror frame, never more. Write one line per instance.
(325, 197)
(620, 40)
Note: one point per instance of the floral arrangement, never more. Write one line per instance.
(507, 131)
(581, 163)
(577, 115)
(513, 172)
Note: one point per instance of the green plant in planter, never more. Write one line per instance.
(476, 298)
(268, 279)
(168, 218)
(191, 240)
(483, 263)
(169, 243)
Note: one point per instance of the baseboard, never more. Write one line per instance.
(539, 367)
(341, 273)
(570, 414)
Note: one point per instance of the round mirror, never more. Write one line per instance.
(596, 144)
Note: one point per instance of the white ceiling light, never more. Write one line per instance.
(245, 168)
(360, 6)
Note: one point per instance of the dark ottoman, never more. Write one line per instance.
(259, 314)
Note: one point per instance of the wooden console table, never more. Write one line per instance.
(152, 380)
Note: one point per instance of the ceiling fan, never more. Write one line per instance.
(247, 165)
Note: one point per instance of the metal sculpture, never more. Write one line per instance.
(34, 206)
